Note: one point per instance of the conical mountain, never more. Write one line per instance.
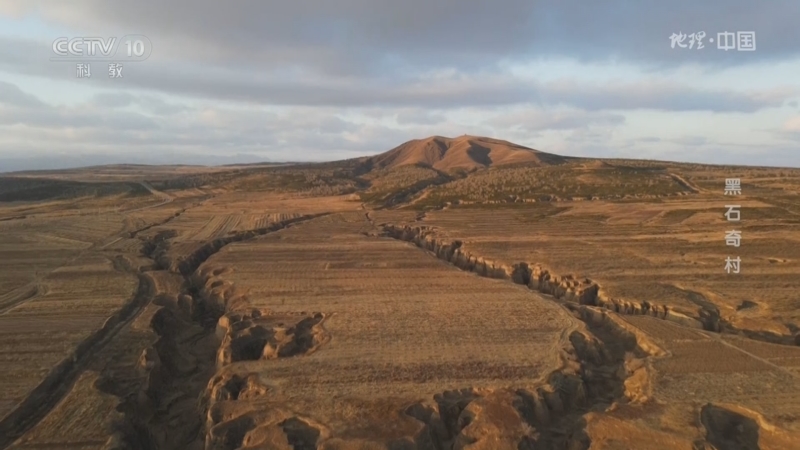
(465, 152)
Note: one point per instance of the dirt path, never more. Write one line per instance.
(722, 340)
(683, 182)
(166, 198)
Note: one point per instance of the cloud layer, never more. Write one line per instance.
(315, 79)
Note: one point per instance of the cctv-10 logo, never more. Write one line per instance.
(133, 47)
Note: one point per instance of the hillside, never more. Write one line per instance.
(428, 173)
(465, 152)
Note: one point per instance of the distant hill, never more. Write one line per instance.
(465, 152)
(37, 189)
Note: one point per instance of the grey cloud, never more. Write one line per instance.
(112, 99)
(358, 36)
(494, 91)
(419, 117)
(207, 128)
(590, 136)
(160, 107)
(150, 103)
(661, 96)
(538, 119)
(788, 135)
(690, 141)
(486, 93)
(486, 89)
(790, 130)
(62, 117)
(296, 134)
(10, 94)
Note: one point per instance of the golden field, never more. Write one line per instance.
(449, 294)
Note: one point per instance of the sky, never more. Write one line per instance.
(316, 80)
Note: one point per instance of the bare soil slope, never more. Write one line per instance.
(465, 152)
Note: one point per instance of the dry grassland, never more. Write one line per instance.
(222, 214)
(671, 252)
(404, 326)
(64, 297)
(332, 307)
(641, 252)
(36, 245)
(73, 303)
(385, 304)
(96, 404)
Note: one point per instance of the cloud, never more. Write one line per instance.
(29, 125)
(649, 139)
(358, 36)
(462, 91)
(113, 99)
(12, 95)
(661, 95)
(690, 141)
(304, 77)
(531, 119)
(593, 136)
(149, 103)
(790, 130)
(14, 8)
(160, 107)
(32, 112)
(792, 124)
(293, 134)
(437, 89)
(418, 116)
